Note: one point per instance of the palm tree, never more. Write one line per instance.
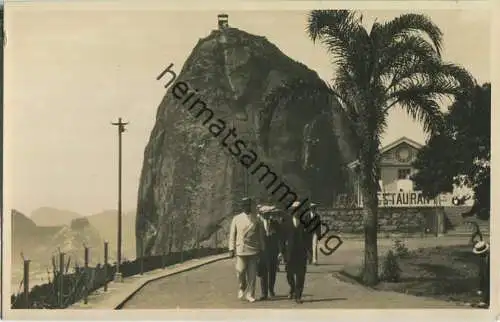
(394, 64)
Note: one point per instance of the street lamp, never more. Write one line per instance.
(121, 128)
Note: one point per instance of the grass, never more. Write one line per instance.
(448, 273)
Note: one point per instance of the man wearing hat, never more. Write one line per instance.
(268, 264)
(246, 241)
(297, 249)
(482, 249)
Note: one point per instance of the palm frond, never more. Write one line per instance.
(344, 37)
(407, 24)
(400, 58)
(441, 79)
(423, 108)
(339, 24)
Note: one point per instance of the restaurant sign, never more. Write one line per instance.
(406, 199)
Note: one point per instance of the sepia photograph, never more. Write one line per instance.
(298, 158)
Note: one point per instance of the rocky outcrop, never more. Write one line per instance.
(40, 243)
(190, 183)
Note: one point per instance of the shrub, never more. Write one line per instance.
(400, 249)
(391, 272)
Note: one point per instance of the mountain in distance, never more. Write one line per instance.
(40, 244)
(39, 239)
(106, 223)
(49, 216)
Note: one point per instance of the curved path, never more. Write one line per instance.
(214, 286)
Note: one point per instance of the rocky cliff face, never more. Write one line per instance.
(190, 184)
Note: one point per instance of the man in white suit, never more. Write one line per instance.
(246, 242)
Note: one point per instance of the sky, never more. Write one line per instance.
(70, 73)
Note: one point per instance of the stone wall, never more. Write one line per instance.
(407, 220)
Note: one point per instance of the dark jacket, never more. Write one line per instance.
(273, 242)
(297, 243)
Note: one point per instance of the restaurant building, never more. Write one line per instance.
(396, 189)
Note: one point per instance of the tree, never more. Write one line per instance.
(394, 64)
(460, 154)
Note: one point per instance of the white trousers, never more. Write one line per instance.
(246, 271)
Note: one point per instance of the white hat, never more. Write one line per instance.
(295, 204)
(264, 208)
(480, 247)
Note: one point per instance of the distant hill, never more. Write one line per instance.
(39, 243)
(48, 216)
(106, 223)
(49, 229)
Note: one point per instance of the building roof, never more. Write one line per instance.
(392, 145)
(403, 139)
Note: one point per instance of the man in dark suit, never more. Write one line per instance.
(297, 249)
(268, 264)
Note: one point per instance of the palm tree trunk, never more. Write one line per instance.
(370, 207)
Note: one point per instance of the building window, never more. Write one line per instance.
(404, 174)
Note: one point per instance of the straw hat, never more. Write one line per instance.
(480, 247)
(264, 208)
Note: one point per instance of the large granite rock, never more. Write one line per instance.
(190, 184)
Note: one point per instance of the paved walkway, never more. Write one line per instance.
(214, 286)
(118, 293)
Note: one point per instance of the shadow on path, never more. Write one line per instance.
(326, 300)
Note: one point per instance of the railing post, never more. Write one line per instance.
(106, 266)
(26, 283)
(163, 259)
(141, 262)
(86, 274)
(61, 280)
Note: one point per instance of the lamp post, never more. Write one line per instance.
(121, 128)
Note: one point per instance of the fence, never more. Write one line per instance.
(66, 288)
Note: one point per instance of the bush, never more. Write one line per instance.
(400, 249)
(391, 272)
